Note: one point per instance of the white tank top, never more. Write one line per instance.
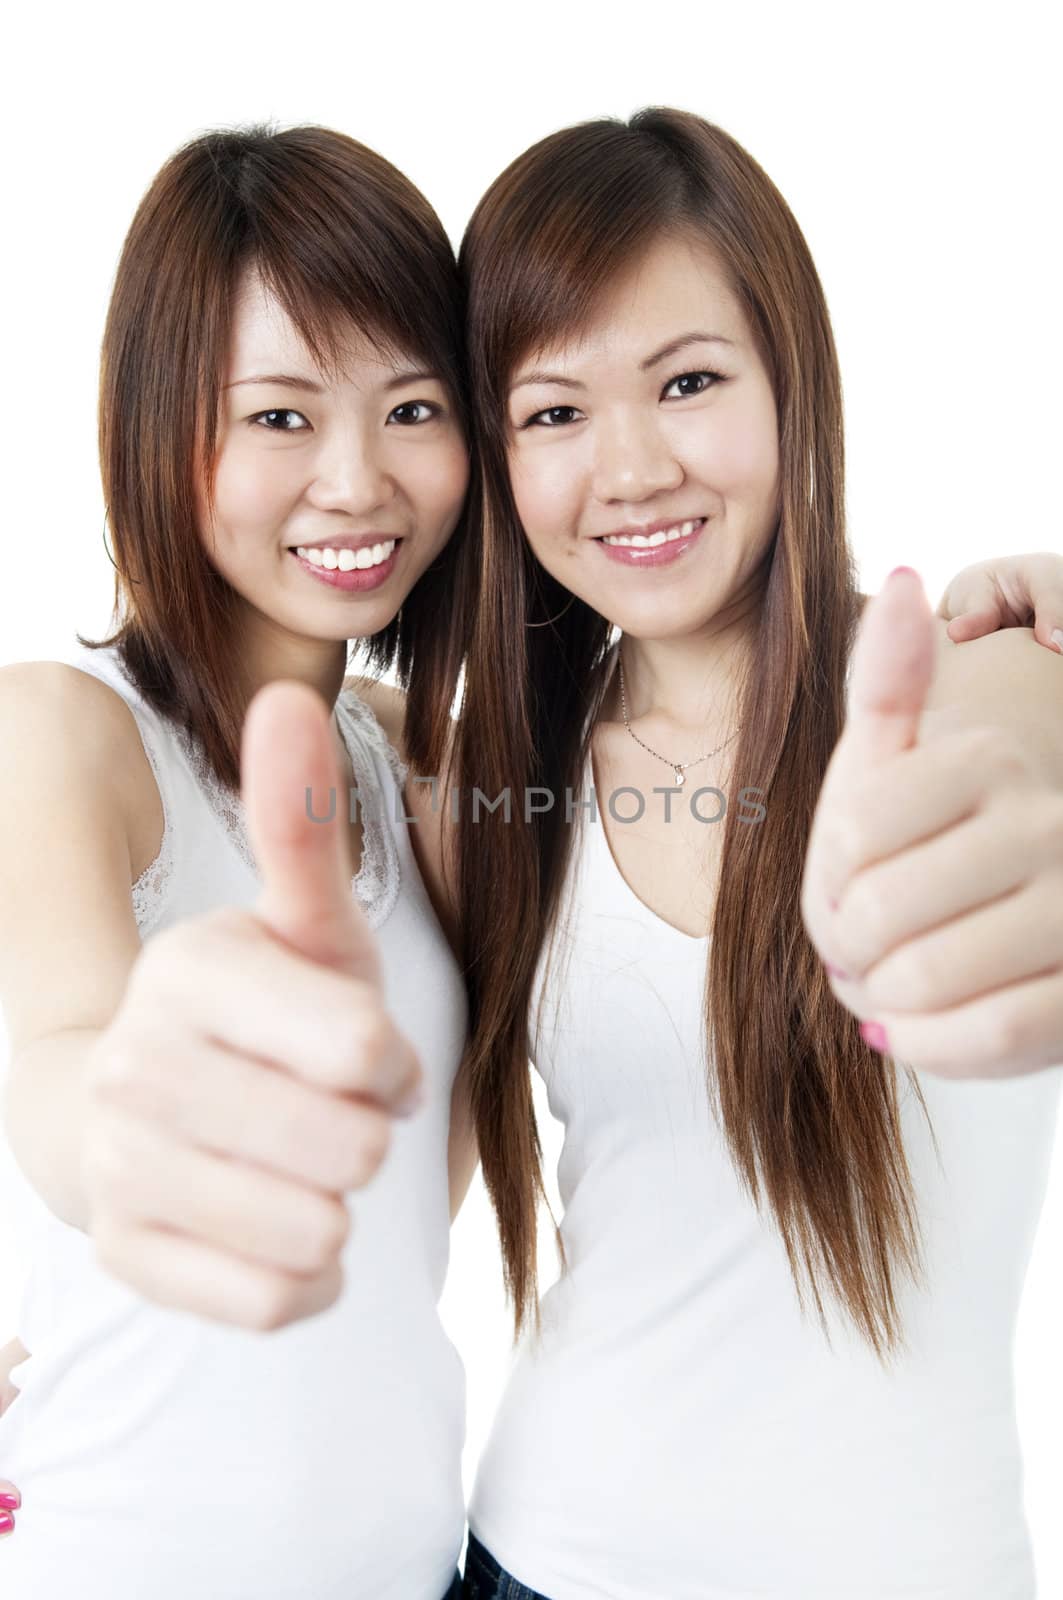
(681, 1432)
(162, 1455)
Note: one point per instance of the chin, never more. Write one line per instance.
(659, 624)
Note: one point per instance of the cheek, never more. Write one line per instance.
(433, 481)
(252, 488)
(740, 455)
(447, 482)
(545, 494)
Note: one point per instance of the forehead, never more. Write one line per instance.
(676, 284)
(263, 338)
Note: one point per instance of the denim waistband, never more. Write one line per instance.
(486, 1580)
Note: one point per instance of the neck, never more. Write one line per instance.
(270, 652)
(685, 685)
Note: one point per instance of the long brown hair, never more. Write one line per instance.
(340, 236)
(810, 1112)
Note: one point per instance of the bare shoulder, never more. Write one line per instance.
(1005, 679)
(1008, 661)
(51, 704)
(74, 770)
(388, 705)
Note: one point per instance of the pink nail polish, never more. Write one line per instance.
(10, 1502)
(912, 570)
(836, 972)
(833, 905)
(874, 1034)
(7, 1522)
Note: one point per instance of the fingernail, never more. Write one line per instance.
(833, 904)
(10, 1502)
(7, 1523)
(1057, 639)
(836, 972)
(874, 1034)
(912, 570)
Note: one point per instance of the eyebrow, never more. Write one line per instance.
(292, 380)
(670, 349)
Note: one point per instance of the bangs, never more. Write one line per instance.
(341, 255)
(550, 238)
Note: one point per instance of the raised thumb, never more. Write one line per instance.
(892, 670)
(296, 809)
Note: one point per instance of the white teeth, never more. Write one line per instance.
(642, 541)
(346, 560)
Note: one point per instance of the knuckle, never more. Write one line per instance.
(102, 1163)
(368, 1036)
(368, 1149)
(116, 1065)
(867, 913)
(909, 980)
(325, 1233)
(273, 1305)
(1006, 1033)
(135, 1070)
(849, 839)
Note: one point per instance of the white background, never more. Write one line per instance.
(919, 148)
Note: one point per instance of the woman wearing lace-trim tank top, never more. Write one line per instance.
(229, 1091)
(231, 1389)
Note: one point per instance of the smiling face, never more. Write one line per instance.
(658, 423)
(366, 469)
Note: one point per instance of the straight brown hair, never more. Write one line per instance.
(340, 236)
(810, 1112)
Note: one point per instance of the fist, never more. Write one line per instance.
(249, 1079)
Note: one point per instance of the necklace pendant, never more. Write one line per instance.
(680, 777)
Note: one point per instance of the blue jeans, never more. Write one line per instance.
(486, 1580)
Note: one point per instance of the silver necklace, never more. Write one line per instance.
(678, 767)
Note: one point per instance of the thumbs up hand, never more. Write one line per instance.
(933, 881)
(250, 1076)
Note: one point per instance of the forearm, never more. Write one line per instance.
(1004, 681)
(44, 1111)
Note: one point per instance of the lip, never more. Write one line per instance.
(661, 555)
(359, 577)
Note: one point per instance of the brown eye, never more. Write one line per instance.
(274, 421)
(409, 406)
(702, 380)
(552, 417)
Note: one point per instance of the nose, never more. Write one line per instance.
(633, 460)
(350, 474)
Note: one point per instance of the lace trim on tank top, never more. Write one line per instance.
(376, 883)
(149, 891)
